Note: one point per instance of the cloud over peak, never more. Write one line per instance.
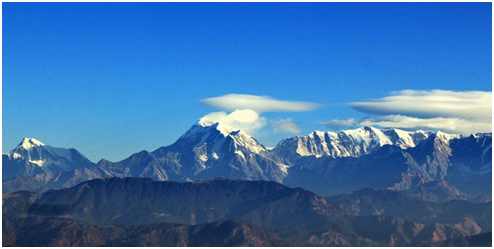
(246, 120)
(431, 104)
(451, 111)
(449, 125)
(232, 102)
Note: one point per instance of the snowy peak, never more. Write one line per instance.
(210, 149)
(216, 135)
(28, 143)
(24, 150)
(446, 136)
(205, 130)
(401, 138)
(225, 130)
(349, 143)
(441, 141)
(247, 142)
(406, 139)
(368, 136)
(48, 157)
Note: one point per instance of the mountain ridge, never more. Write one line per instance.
(287, 213)
(209, 150)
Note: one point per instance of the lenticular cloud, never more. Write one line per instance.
(471, 105)
(232, 102)
(458, 112)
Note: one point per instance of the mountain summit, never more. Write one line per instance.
(206, 150)
(28, 143)
(32, 156)
(205, 132)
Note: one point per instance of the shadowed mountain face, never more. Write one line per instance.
(390, 231)
(474, 217)
(140, 210)
(437, 191)
(49, 231)
(118, 201)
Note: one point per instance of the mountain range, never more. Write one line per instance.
(432, 166)
(217, 186)
(143, 212)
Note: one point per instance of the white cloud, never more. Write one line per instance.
(450, 125)
(285, 126)
(246, 120)
(455, 112)
(232, 102)
(431, 104)
(337, 124)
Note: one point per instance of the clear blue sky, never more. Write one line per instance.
(111, 79)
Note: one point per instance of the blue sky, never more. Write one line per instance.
(111, 79)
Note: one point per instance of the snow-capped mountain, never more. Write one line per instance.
(323, 162)
(406, 139)
(206, 150)
(31, 157)
(347, 143)
(204, 133)
(464, 162)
